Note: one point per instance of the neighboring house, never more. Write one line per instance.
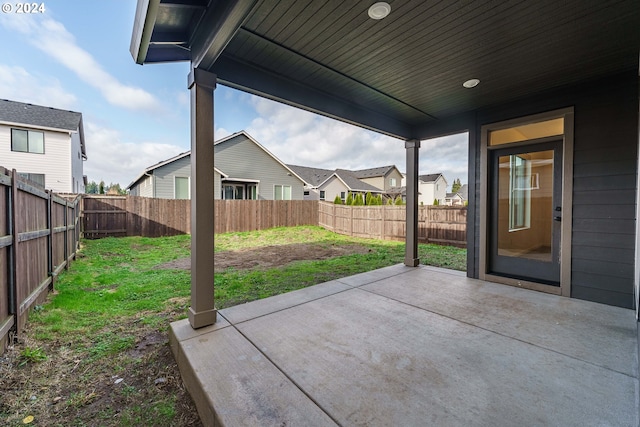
(432, 187)
(458, 198)
(342, 182)
(380, 180)
(243, 169)
(313, 178)
(45, 145)
(384, 178)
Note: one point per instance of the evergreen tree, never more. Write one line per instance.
(358, 200)
(101, 189)
(435, 202)
(91, 188)
(337, 200)
(349, 201)
(456, 185)
(368, 199)
(389, 201)
(379, 200)
(399, 201)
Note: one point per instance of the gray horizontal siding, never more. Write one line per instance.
(165, 176)
(240, 158)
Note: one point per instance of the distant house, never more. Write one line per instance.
(342, 182)
(432, 187)
(45, 145)
(243, 169)
(384, 178)
(325, 184)
(313, 178)
(459, 198)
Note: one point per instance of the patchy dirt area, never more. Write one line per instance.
(272, 256)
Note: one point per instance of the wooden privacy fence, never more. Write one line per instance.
(443, 225)
(142, 216)
(39, 235)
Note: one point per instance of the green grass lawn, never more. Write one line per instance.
(108, 318)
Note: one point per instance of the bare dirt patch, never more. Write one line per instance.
(271, 256)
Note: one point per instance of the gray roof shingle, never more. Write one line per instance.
(373, 172)
(39, 116)
(312, 176)
(354, 183)
(429, 177)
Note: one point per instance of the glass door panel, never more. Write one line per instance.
(526, 187)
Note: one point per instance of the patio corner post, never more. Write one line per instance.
(411, 259)
(202, 311)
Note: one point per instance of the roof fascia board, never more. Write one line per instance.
(247, 78)
(219, 24)
(30, 126)
(146, 14)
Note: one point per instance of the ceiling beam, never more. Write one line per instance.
(217, 27)
(245, 77)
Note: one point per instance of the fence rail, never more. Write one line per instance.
(443, 225)
(39, 233)
(105, 216)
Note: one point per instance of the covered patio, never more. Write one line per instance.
(548, 94)
(404, 346)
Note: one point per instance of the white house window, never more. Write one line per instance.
(343, 196)
(36, 178)
(282, 192)
(392, 182)
(236, 192)
(321, 194)
(252, 191)
(27, 141)
(181, 187)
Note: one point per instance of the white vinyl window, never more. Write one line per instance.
(27, 141)
(392, 182)
(36, 178)
(282, 192)
(322, 194)
(181, 187)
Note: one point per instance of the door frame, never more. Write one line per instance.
(567, 200)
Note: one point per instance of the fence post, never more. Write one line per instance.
(351, 221)
(66, 235)
(427, 223)
(49, 202)
(382, 214)
(13, 282)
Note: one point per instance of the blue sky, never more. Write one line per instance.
(75, 56)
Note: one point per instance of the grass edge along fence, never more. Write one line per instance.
(39, 233)
(442, 225)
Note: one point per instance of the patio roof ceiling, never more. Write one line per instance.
(401, 75)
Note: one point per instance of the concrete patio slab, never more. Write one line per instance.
(414, 346)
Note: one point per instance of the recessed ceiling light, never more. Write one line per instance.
(379, 10)
(471, 83)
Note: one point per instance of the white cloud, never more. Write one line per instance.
(52, 38)
(303, 138)
(112, 159)
(17, 84)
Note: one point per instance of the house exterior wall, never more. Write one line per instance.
(164, 177)
(314, 194)
(427, 193)
(383, 182)
(55, 163)
(77, 181)
(604, 194)
(332, 188)
(143, 188)
(240, 158)
(217, 184)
